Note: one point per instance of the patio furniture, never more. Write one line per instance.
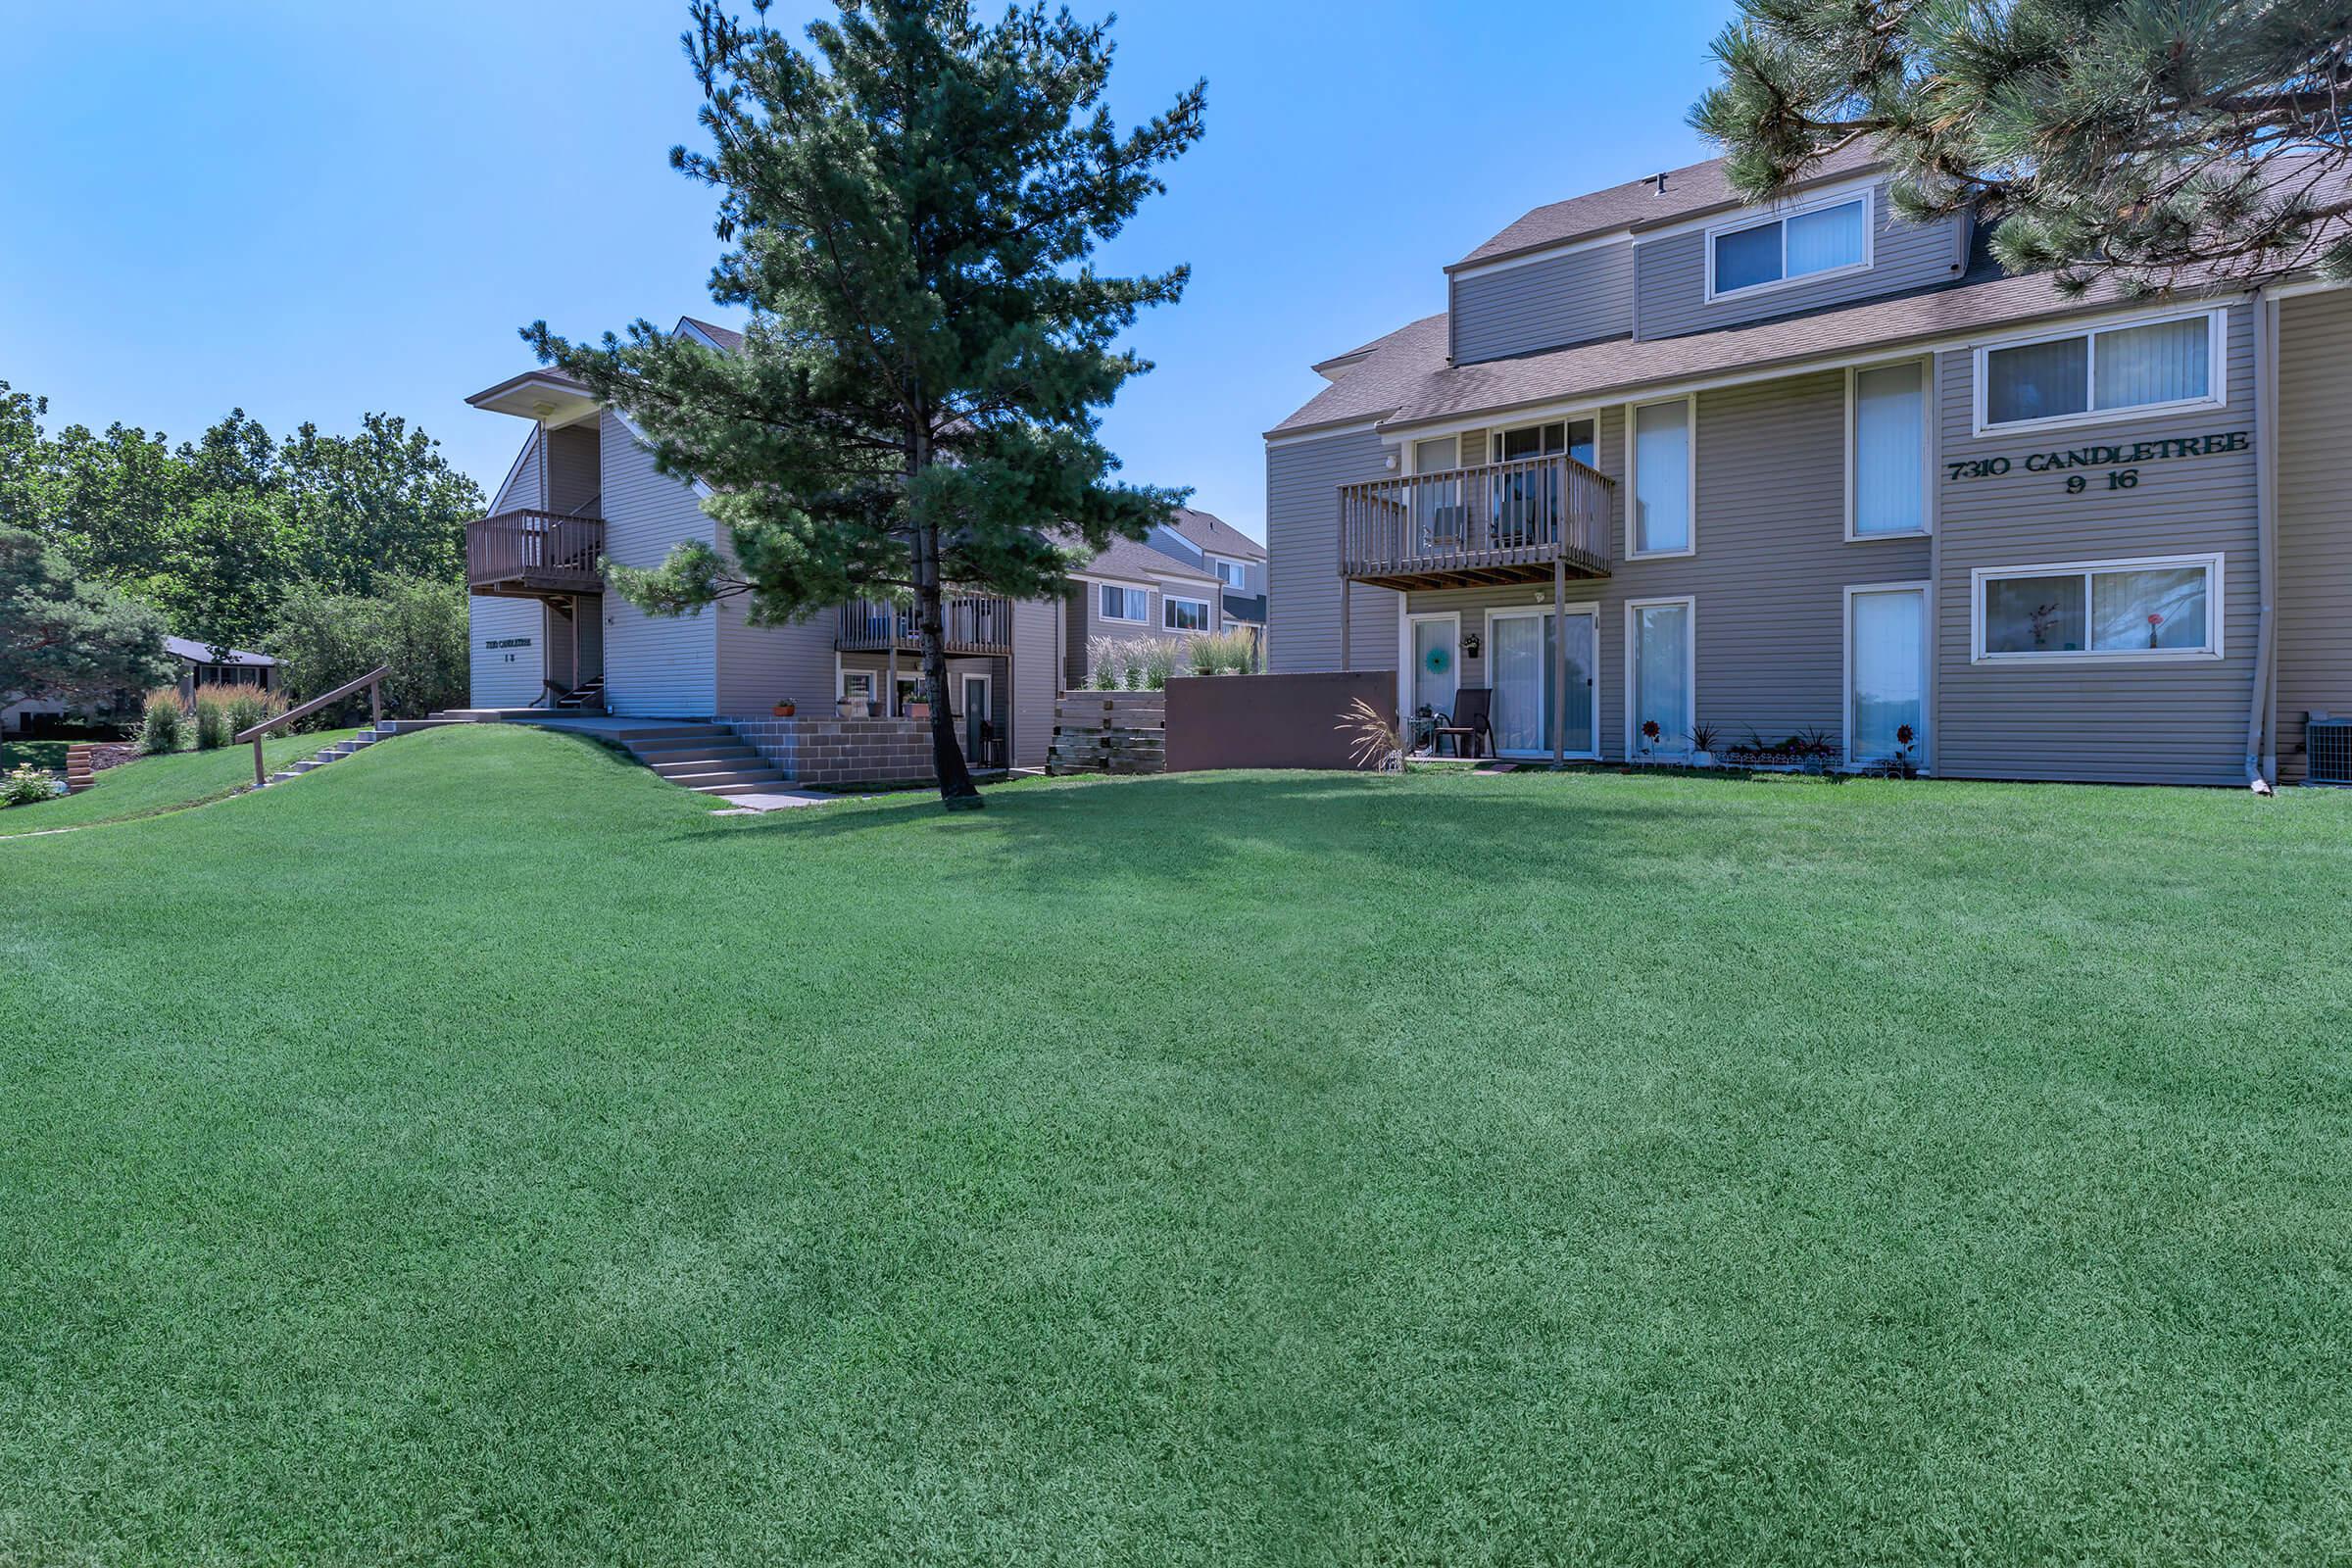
(1471, 721)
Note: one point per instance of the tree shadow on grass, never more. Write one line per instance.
(1389, 837)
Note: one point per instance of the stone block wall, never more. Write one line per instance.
(836, 754)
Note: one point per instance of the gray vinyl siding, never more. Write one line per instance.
(1302, 611)
(1544, 304)
(1083, 608)
(1769, 577)
(2314, 517)
(574, 469)
(761, 666)
(654, 665)
(1036, 680)
(2175, 723)
(505, 677)
(520, 492)
(1671, 275)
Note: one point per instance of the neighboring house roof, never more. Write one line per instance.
(1252, 609)
(1666, 198)
(1215, 535)
(1139, 563)
(726, 337)
(196, 653)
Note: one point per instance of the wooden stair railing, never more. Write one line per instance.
(373, 681)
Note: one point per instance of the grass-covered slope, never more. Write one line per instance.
(482, 1153)
(165, 783)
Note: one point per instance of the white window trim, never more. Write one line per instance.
(1590, 610)
(1218, 565)
(1495, 433)
(1208, 614)
(1927, 659)
(1412, 453)
(1926, 447)
(1632, 480)
(1103, 616)
(1689, 666)
(1820, 203)
(2217, 373)
(1405, 668)
(2215, 647)
(841, 681)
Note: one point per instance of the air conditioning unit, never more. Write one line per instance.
(2326, 749)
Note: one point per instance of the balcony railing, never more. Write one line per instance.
(534, 553)
(974, 624)
(1496, 522)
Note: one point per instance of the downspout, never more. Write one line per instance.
(2262, 763)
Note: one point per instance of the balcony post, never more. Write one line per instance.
(1559, 660)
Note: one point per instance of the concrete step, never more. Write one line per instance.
(768, 786)
(671, 758)
(724, 777)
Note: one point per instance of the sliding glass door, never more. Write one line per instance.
(1524, 647)
(1887, 673)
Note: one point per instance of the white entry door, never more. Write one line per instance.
(1523, 650)
(1434, 677)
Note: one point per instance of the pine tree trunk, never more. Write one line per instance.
(956, 790)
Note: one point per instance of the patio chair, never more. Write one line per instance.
(1471, 720)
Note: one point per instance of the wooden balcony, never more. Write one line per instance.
(1499, 522)
(974, 624)
(534, 555)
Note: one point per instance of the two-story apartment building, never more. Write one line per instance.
(1667, 460)
(583, 491)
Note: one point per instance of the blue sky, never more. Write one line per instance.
(310, 211)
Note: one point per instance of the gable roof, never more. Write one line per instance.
(196, 653)
(1390, 369)
(1666, 198)
(727, 339)
(1249, 609)
(1214, 534)
(1138, 563)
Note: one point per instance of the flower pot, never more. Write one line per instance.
(782, 709)
(853, 708)
(919, 710)
(1702, 759)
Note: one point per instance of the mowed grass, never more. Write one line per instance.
(167, 783)
(482, 1153)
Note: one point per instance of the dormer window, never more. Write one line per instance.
(1789, 247)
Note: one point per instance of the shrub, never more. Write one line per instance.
(250, 706)
(211, 718)
(1106, 657)
(165, 725)
(1226, 653)
(416, 626)
(1156, 659)
(1204, 656)
(28, 786)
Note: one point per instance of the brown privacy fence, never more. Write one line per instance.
(1270, 720)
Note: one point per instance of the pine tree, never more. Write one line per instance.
(2155, 143)
(66, 640)
(910, 203)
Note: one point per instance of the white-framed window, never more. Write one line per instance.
(1661, 674)
(2155, 610)
(2089, 375)
(858, 684)
(1885, 672)
(1576, 438)
(1886, 450)
(1793, 245)
(1661, 460)
(1437, 454)
(1125, 604)
(1184, 615)
(1233, 573)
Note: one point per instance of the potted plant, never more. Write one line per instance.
(854, 707)
(1702, 745)
(783, 708)
(918, 701)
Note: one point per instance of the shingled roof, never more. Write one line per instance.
(1666, 198)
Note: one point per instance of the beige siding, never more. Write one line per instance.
(2315, 518)
(2152, 723)
(654, 665)
(1302, 611)
(1036, 679)
(760, 666)
(1769, 575)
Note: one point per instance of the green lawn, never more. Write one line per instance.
(482, 1153)
(50, 755)
(154, 784)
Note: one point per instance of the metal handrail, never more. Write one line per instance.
(373, 681)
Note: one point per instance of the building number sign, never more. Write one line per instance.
(2122, 460)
